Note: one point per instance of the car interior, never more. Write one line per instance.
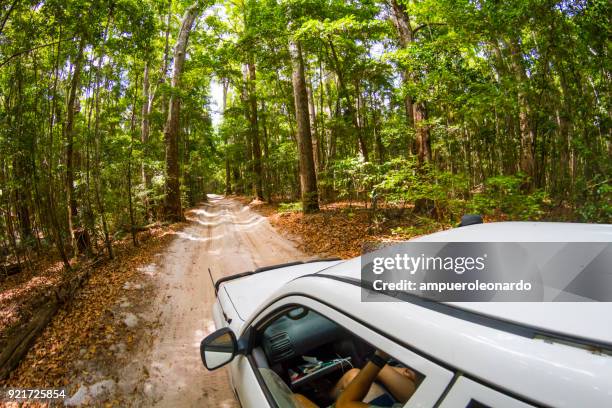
(309, 353)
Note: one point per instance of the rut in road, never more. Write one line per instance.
(228, 238)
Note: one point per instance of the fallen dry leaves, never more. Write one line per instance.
(328, 233)
(80, 343)
(342, 229)
(19, 293)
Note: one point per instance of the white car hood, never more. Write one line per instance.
(247, 293)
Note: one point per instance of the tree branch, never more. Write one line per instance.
(416, 30)
(8, 13)
(17, 54)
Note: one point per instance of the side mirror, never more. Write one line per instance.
(218, 348)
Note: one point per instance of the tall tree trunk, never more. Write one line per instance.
(401, 22)
(344, 93)
(144, 136)
(89, 108)
(308, 178)
(97, 139)
(248, 135)
(228, 172)
(266, 153)
(378, 143)
(129, 173)
(22, 200)
(79, 236)
(173, 210)
(49, 163)
(164, 104)
(254, 129)
(20, 166)
(96, 172)
(360, 121)
(323, 130)
(422, 132)
(165, 62)
(566, 182)
(527, 135)
(316, 148)
(416, 111)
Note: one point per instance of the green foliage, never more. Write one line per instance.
(352, 177)
(421, 226)
(504, 196)
(407, 182)
(599, 204)
(496, 85)
(404, 183)
(290, 207)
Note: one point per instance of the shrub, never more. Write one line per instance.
(598, 205)
(290, 207)
(503, 196)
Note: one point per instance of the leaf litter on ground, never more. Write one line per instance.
(92, 335)
(342, 229)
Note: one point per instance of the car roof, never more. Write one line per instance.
(581, 320)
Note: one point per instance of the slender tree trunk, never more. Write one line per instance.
(228, 173)
(79, 235)
(129, 174)
(96, 173)
(254, 128)
(527, 134)
(22, 190)
(266, 154)
(360, 120)
(401, 22)
(97, 141)
(173, 209)
(416, 111)
(314, 128)
(566, 184)
(89, 108)
(237, 184)
(344, 93)
(165, 62)
(248, 135)
(151, 202)
(378, 143)
(308, 178)
(422, 132)
(228, 177)
(22, 201)
(49, 163)
(324, 131)
(144, 136)
(10, 226)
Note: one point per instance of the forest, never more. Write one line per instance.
(116, 114)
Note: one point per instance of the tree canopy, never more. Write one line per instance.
(117, 113)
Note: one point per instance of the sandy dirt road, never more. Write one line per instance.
(228, 238)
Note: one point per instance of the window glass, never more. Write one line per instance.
(307, 360)
(280, 392)
(471, 394)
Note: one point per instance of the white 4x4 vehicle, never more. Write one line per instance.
(465, 354)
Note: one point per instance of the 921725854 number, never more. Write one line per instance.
(39, 394)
